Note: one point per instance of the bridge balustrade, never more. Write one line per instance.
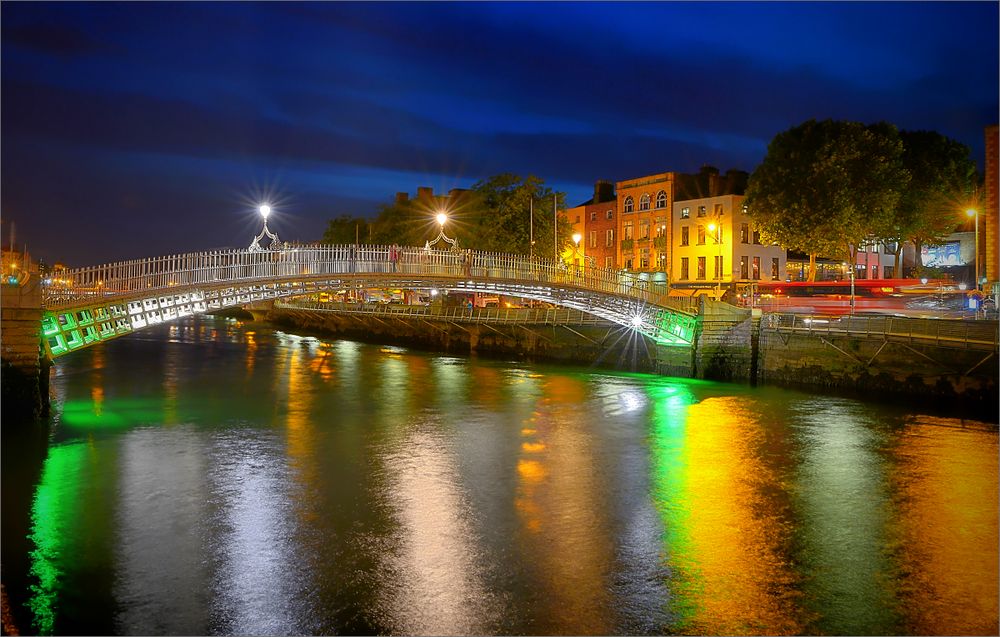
(142, 276)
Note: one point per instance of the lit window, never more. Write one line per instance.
(661, 199)
(593, 238)
(609, 238)
(644, 202)
(628, 205)
(701, 235)
(684, 268)
(701, 267)
(627, 231)
(685, 235)
(701, 211)
(685, 213)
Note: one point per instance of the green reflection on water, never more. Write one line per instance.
(54, 516)
(121, 413)
(671, 492)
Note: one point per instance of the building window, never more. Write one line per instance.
(628, 204)
(744, 233)
(889, 248)
(609, 238)
(627, 230)
(701, 235)
(774, 268)
(873, 248)
(644, 259)
(888, 271)
(609, 262)
(718, 267)
(684, 236)
(685, 213)
(756, 268)
(661, 199)
(701, 268)
(593, 238)
(593, 215)
(860, 271)
(718, 210)
(701, 211)
(661, 227)
(611, 215)
(875, 271)
(578, 218)
(684, 269)
(756, 237)
(644, 202)
(628, 263)
(644, 229)
(744, 268)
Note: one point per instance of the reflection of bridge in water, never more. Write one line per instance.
(98, 303)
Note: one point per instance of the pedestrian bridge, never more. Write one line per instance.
(91, 305)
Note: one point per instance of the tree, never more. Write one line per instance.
(501, 218)
(345, 229)
(942, 186)
(828, 187)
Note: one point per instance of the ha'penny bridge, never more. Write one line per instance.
(95, 304)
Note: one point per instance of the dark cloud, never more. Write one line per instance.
(150, 119)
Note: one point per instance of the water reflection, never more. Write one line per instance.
(310, 486)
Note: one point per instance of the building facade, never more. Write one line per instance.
(714, 243)
(596, 222)
(644, 206)
(990, 241)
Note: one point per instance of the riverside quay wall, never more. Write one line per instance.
(23, 371)
(949, 364)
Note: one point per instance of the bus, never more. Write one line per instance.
(883, 296)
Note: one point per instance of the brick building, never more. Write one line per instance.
(991, 218)
(643, 222)
(596, 221)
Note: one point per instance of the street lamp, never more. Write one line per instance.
(264, 210)
(972, 212)
(576, 247)
(442, 218)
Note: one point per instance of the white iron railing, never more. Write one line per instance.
(174, 273)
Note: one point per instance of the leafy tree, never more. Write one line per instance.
(501, 220)
(345, 229)
(493, 216)
(942, 186)
(828, 187)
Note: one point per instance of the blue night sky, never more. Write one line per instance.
(139, 129)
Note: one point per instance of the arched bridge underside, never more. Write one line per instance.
(91, 305)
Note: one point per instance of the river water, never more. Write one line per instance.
(213, 476)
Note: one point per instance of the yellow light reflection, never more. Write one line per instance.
(566, 531)
(735, 579)
(948, 518)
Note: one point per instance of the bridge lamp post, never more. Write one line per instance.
(972, 212)
(576, 248)
(264, 210)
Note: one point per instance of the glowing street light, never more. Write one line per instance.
(442, 218)
(264, 210)
(972, 212)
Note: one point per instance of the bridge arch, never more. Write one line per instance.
(91, 305)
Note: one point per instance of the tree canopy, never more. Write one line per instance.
(942, 186)
(345, 229)
(828, 187)
(494, 215)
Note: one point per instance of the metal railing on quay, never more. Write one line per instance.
(945, 332)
